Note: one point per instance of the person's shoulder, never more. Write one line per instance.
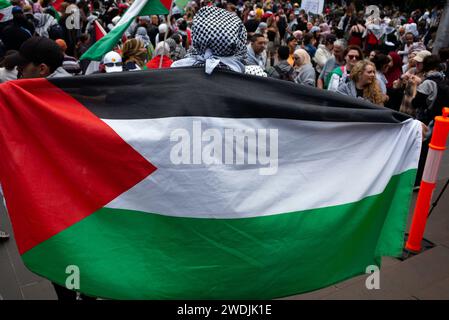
(345, 88)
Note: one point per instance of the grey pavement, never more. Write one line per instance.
(424, 276)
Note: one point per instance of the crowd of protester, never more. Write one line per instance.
(330, 51)
(386, 58)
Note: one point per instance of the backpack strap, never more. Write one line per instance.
(278, 70)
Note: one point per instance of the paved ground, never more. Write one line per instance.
(424, 276)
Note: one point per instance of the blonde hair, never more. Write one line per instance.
(303, 56)
(132, 51)
(371, 92)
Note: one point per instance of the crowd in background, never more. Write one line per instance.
(384, 58)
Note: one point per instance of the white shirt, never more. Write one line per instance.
(7, 75)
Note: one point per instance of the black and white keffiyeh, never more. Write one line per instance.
(218, 38)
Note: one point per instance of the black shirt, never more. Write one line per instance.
(251, 25)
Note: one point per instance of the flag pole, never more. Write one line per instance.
(166, 33)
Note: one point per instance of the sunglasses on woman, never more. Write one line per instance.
(351, 57)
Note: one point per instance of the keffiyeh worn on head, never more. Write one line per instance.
(218, 39)
(142, 35)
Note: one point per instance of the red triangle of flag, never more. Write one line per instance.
(60, 162)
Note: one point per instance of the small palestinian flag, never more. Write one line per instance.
(5, 11)
(99, 31)
(138, 8)
(173, 184)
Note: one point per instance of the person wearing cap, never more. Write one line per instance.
(428, 90)
(324, 52)
(40, 57)
(70, 64)
(418, 59)
(112, 62)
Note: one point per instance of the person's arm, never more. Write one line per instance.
(320, 83)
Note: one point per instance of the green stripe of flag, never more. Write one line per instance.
(125, 254)
(4, 4)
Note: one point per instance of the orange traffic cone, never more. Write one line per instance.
(436, 149)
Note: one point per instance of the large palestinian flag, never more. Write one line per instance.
(172, 184)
